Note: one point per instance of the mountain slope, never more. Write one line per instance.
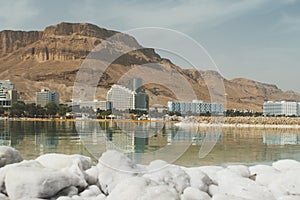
(51, 59)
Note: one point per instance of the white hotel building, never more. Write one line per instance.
(196, 107)
(282, 108)
(123, 98)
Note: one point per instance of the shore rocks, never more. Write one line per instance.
(34, 182)
(9, 155)
(76, 177)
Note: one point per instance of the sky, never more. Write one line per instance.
(257, 39)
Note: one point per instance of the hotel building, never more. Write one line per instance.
(123, 98)
(8, 95)
(282, 108)
(45, 96)
(196, 107)
(95, 105)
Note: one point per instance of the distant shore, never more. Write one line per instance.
(263, 122)
(255, 122)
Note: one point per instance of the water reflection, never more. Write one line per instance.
(149, 141)
(284, 138)
(39, 137)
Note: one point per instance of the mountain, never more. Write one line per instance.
(52, 58)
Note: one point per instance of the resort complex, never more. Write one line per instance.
(133, 98)
(196, 107)
(282, 108)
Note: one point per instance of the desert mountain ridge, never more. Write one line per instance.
(50, 59)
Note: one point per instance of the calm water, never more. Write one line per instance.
(144, 142)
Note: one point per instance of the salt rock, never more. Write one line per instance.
(227, 197)
(289, 197)
(232, 184)
(136, 188)
(69, 191)
(114, 167)
(171, 175)
(198, 179)
(64, 198)
(131, 189)
(91, 175)
(59, 161)
(101, 197)
(160, 192)
(213, 189)
(33, 182)
(287, 164)
(5, 169)
(211, 172)
(77, 197)
(287, 183)
(191, 193)
(3, 196)
(240, 170)
(91, 191)
(264, 174)
(9, 155)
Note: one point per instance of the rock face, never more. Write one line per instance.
(66, 41)
(13, 40)
(51, 58)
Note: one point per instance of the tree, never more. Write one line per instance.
(51, 108)
(40, 111)
(101, 114)
(17, 109)
(63, 109)
(30, 110)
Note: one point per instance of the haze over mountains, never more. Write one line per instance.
(51, 58)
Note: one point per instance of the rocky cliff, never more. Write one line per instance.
(13, 40)
(51, 59)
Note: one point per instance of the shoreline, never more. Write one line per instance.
(240, 122)
(261, 126)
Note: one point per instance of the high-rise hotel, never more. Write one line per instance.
(123, 98)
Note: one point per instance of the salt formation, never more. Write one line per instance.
(76, 177)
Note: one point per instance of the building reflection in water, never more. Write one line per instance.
(271, 138)
(151, 139)
(144, 141)
(34, 138)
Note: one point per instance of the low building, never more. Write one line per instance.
(45, 96)
(282, 108)
(8, 94)
(95, 105)
(196, 107)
